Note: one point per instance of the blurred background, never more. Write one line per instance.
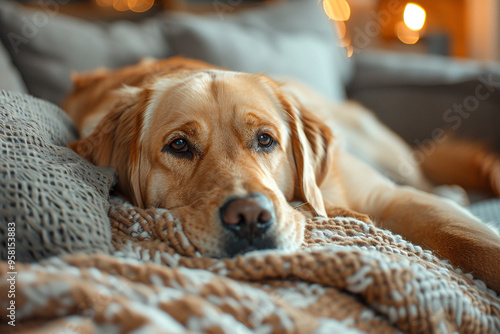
(459, 28)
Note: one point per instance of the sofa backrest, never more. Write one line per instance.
(292, 38)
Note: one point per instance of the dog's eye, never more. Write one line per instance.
(265, 140)
(179, 145)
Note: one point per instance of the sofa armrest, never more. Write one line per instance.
(420, 96)
(378, 68)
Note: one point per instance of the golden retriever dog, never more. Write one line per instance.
(227, 153)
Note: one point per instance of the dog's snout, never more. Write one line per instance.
(249, 216)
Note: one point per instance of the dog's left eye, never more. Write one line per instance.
(179, 147)
(265, 140)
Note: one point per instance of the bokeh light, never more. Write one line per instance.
(341, 29)
(140, 6)
(337, 10)
(137, 6)
(414, 16)
(120, 5)
(407, 35)
(104, 3)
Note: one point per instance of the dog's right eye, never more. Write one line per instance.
(179, 147)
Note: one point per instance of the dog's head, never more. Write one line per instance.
(224, 151)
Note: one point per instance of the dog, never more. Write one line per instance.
(229, 151)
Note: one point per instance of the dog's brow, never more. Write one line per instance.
(190, 128)
(252, 119)
(255, 120)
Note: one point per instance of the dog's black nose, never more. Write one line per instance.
(248, 216)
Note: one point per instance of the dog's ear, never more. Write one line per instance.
(115, 142)
(313, 150)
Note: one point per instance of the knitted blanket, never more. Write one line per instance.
(349, 277)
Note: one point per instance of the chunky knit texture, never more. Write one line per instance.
(349, 277)
(57, 200)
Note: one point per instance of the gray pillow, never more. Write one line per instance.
(55, 200)
(10, 78)
(294, 39)
(46, 49)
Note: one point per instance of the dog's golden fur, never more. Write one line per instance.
(129, 119)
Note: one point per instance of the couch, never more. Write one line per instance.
(90, 262)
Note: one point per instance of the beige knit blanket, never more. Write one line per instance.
(349, 277)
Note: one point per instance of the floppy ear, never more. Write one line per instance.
(115, 142)
(313, 151)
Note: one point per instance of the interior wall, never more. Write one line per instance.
(483, 29)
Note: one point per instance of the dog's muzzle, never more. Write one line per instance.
(248, 218)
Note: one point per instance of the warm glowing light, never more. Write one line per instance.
(406, 35)
(104, 3)
(414, 16)
(337, 10)
(140, 6)
(346, 41)
(341, 29)
(120, 5)
(350, 51)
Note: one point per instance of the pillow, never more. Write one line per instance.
(294, 39)
(47, 48)
(52, 201)
(10, 78)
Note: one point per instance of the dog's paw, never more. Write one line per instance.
(338, 211)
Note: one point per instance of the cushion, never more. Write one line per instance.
(293, 38)
(10, 78)
(52, 201)
(47, 48)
